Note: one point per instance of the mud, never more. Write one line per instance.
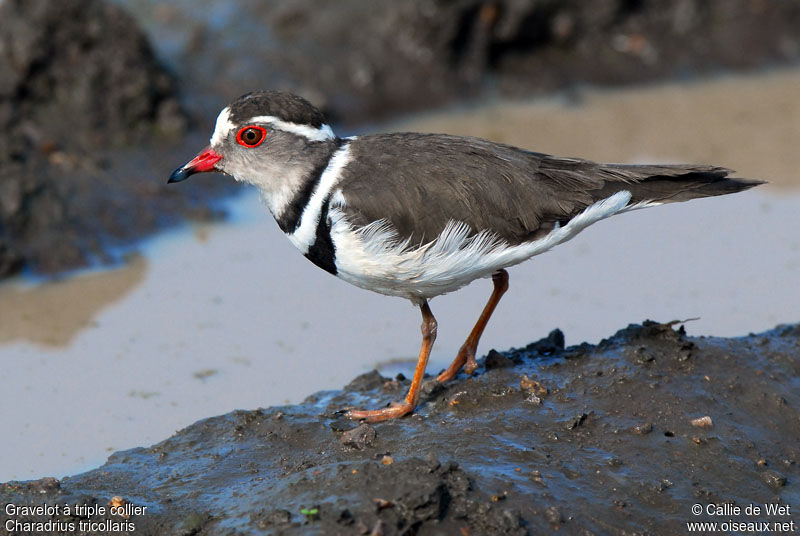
(368, 60)
(622, 437)
(88, 119)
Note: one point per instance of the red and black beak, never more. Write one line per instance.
(205, 161)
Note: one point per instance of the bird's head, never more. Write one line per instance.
(262, 138)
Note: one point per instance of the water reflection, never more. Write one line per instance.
(53, 313)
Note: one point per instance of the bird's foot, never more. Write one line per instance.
(471, 364)
(396, 410)
(465, 359)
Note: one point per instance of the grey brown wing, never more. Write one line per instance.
(420, 182)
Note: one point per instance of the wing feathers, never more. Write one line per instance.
(419, 183)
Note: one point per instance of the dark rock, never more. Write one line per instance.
(552, 344)
(653, 344)
(359, 437)
(432, 388)
(340, 423)
(496, 467)
(792, 330)
(367, 381)
(495, 359)
(345, 517)
(577, 421)
(773, 479)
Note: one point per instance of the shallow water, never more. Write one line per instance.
(227, 316)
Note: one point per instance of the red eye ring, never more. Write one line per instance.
(251, 136)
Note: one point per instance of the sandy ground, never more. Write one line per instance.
(202, 327)
(54, 312)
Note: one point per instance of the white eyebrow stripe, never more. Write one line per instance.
(222, 127)
(322, 133)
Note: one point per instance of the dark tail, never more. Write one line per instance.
(670, 183)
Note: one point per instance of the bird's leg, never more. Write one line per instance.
(466, 355)
(412, 398)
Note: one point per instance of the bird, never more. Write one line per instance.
(418, 215)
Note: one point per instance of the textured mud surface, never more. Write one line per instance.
(367, 60)
(618, 438)
(87, 117)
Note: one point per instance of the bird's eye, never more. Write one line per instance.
(251, 136)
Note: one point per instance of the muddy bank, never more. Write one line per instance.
(617, 438)
(88, 119)
(367, 60)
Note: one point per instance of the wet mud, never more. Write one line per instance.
(89, 127)
(622, 437)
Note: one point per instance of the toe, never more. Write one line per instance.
(378, 415)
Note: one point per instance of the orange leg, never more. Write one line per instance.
(466, 355)
(412, 398)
